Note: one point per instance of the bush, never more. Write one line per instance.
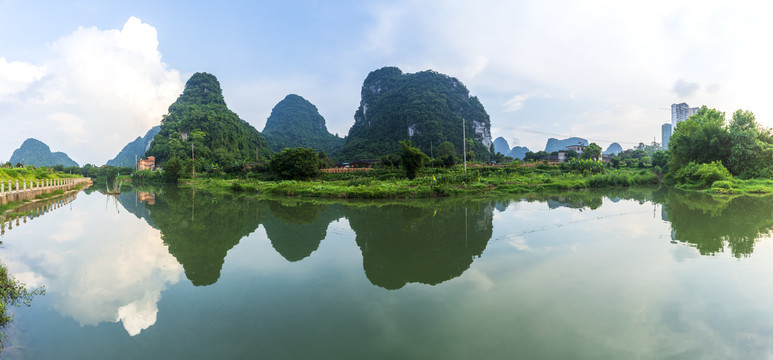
(703, 175)
(412, 159)
(295, 164)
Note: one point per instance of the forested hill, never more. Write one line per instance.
(554, 144)
(295, 122)
(200, 118)
(134, 150)
(426, 107)
(34, 152)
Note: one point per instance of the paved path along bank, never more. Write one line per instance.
(18, 191)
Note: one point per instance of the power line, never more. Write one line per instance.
(568, 136)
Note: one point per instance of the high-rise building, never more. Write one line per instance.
(665, 133)
(680, 112)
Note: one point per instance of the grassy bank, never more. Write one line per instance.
(741, 187)
(20, 174)
(391, 184)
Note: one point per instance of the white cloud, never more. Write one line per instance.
(596, 51)
(16, 76)
(98, 90)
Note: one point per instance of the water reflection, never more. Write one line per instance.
(33, 210)
(296, 229)
(711, 223)
(427, 243)
(199, 230)
(97, 265)
(105, 265)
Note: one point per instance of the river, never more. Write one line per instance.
(170, 274)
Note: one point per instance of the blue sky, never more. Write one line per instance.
(87, 77)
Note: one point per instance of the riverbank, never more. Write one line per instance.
(12, 202)
(386, 184)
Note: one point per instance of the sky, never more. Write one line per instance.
(87, 77)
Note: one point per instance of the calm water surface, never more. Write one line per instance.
(171, 274)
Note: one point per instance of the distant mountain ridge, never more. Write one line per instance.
(296, 122)
(613, 148)
(518, 152)
(554, 144)
(134, 150)
(501, 146)
(36, 153)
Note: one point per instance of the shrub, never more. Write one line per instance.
(295, 164)
(703, 175)
(412, 159)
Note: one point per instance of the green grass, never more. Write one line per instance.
(32, 174)
(741, 187)
(391, 184)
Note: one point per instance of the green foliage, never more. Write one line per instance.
(592, 152)
(446, 148)
(661, 158)
(743, 146)
(173, 170)
(702, 138)
(586, 166)
(324, 161)
(749, 156)
(200, 121)
(696, 175)
(649, 149)
(295, 164)
(412, 159)
(148, 177)
(427, 108)
(295, 122)
(535, 156)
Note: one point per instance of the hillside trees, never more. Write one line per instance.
(200, 122)
(427, 108)
(295, 122)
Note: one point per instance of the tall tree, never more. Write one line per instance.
(592, 151)
(701, 138)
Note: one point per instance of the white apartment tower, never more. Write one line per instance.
(680, 112)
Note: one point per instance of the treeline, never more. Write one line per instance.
(705, 149)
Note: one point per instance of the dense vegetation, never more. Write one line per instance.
(427, 108)
(295, 122)
(200, 122)
(707, 152)
(34, 152)
(134, 150)
(295, 164)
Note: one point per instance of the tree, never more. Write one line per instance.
(749, 156)
(661, 158)
(592, 151)
(412, 159)
(324, 160)
(172, 169)
(295, 164)
(446, 148)
(701, 138)
(571, 154)
(535, 156)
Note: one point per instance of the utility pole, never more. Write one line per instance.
(464, 146)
